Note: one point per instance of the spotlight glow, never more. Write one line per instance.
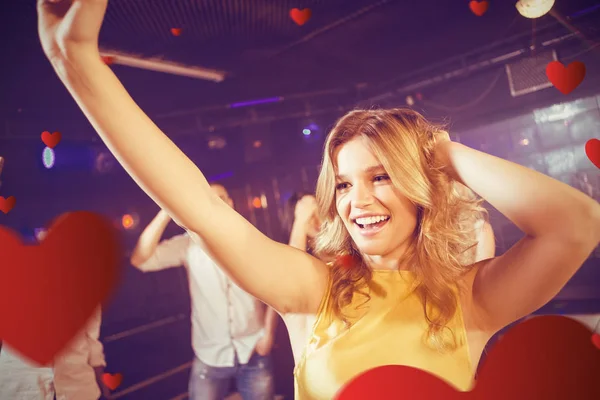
(40, 234)
(128, 221)
(263, 201)
(48, 157)
(534, 8)
(306, 132)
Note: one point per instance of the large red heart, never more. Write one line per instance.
(51, 139)
(596, 340)
(112, 381)
(592, 149)
(565, 79)
(549, 357)
(479, 7)
(49, 291)
(300, 16)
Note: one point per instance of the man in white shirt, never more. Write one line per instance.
(75, 374)
(78, 369)
(232, 332)
(22, 379)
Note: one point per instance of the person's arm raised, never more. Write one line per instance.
(149, 239)
(561, 226)
(284, 278)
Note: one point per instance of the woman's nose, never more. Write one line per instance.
(361, 196)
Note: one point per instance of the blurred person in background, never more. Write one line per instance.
(232, 332)
(301, 222)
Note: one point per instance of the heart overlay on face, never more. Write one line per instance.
(49, 291)
(547, 357)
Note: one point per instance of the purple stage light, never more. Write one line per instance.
(220, 176)
(256, 102)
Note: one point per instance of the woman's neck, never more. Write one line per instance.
(382, 263)
(392, 261)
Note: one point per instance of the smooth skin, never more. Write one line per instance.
(561, 224)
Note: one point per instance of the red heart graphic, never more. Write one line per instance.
(7, 204)
(549, 357)
(389, 381)
(596, 340)
(49, 291)
(479, 7)
(344, 261)
(592, 149)
(565, 79)
(51, 139)
(300, 17)
(175, 31)
(108, 60)
(112, 381)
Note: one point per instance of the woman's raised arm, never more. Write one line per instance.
(285, 278)
(561, 226)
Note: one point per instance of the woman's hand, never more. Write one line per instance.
(306, 211)
(441, 154)
(68, 26)
(264, 345)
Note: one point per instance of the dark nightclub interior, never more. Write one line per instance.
(250, 96)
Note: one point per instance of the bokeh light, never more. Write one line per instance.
(48, 157)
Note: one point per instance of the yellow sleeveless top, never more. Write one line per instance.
(389, 329)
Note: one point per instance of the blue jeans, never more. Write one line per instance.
(254, 380)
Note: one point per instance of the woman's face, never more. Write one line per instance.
(378, 217)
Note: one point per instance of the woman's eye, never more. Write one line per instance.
(379, 178)
(341, 186)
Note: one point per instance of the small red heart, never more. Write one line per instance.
(479, 7)
(565, 79)
(112, 381)
(51, 139)
(596, 340)
(345, 261)
(176, 31)
(592, 149)
(48, 292)
(7, 204)
(300, 17)
(108, 60)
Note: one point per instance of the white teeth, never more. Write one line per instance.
(371, 220)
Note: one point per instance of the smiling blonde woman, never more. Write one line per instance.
(386, 194)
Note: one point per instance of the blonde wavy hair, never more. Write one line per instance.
(443, 245)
